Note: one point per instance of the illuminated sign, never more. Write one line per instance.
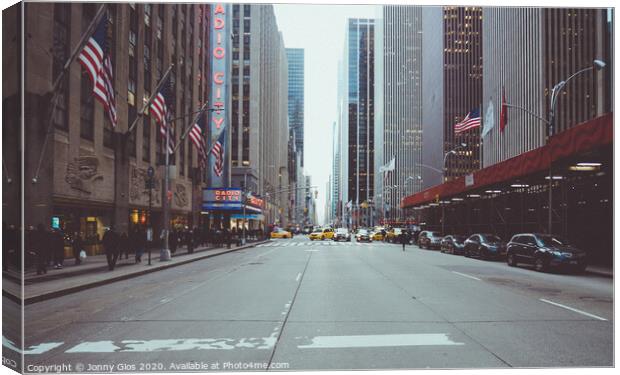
(256, 202)
(55, 222)
(220, 39)
(222, 199)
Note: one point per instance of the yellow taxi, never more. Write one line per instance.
(376, 236)
(316, 235)
(281, 233)
(328, 234)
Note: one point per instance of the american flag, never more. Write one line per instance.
(472, 120)
(160, 107)
(95, 58)
(195, 134)
(218, 152)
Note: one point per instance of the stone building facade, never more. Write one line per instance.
(80, 173)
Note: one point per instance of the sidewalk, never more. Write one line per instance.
(94, 272)
(605, 271)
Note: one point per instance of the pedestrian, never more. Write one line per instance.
(110, 245)
(123, 245)
(40, 242)
(402, 238)
(58, 246)
(189, 240)
(139, 243)
(173, 240)
(197, 237)
(226, 237)
(77, 245)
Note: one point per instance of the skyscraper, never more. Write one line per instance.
(462, 62)
(259, 127)
(357, 130)
(398, 114)
(295, 58)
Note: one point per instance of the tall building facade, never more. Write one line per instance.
(553, 44)
(398, 109)
(296, 76)
(462, 62)
(85, 174)
(357, 99)
(335, 207)
(259, 126)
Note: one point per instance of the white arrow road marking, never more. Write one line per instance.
(35, 349)
(573, 309)
(369, 341)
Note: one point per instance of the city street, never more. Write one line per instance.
(296, 304)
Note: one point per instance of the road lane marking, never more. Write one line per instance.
(298, 277)
(464, 275)
(142, 346)
(369, 341)
(573, 309)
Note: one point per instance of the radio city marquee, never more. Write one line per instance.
(220, 38)
(222, 199)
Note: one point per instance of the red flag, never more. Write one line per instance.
(503, 114)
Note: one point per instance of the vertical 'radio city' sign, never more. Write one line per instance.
(219, 44)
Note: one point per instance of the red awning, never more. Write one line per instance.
(581, 138)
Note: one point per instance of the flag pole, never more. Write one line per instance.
(189, 128)
(59, 81)
(87, 34)
(148, 103)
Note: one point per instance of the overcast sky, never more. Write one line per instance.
(319, 29)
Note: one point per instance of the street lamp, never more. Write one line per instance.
(557, 89)
(443, 206)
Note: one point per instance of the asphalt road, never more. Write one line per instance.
(296, 304)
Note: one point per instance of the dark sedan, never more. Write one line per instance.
(453, 244)
(484, 246)
(544, 251)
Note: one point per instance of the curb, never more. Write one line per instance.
(78, 288)
(609, 275)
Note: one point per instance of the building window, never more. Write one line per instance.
(146, 139)
(87, 105)
(131, 116)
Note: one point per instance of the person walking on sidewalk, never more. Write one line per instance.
(40, 242)
(77, 246)
(123, 246)
(138, 243)
(110, 245)
(173, 239)
(189, 240)
(58, 248)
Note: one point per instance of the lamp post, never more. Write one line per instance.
(443, 205)
(557, 89)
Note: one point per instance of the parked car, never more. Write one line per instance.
(429, 239)
(363, 235)
(281, 233)
(342, 234)
(453, 244)
(545, 251)
(484, 246)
